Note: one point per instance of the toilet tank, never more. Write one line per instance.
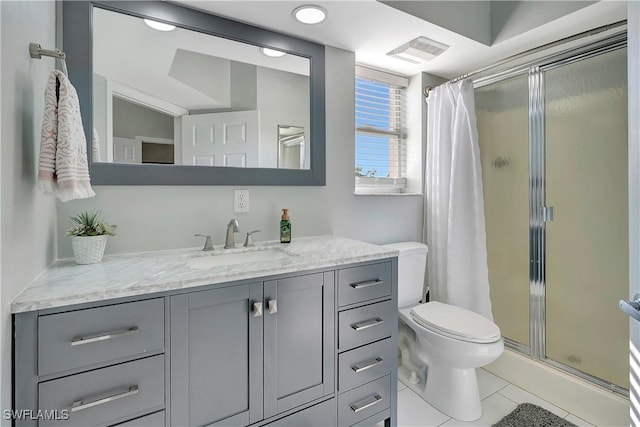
(412, 261)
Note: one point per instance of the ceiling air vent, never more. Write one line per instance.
(419, 50)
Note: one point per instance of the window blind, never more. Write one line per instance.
(380, 123)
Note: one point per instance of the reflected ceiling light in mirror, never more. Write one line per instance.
(310, 14)
(272, 52)
(160, 26)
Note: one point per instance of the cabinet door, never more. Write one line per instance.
(299, 341)
(216, 357)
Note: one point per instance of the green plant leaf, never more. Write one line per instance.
(90, 223)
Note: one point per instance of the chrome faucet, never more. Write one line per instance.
(248, 242)
(208, 244)
(232, 227)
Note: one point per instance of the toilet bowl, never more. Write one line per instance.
(440, 345)
(451, 384)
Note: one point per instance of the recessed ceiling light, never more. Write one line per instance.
(310, 14)
(160, 26)
(272, 52)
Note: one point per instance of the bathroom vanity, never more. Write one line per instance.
(287, 335)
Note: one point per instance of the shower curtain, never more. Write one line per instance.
(454, 224)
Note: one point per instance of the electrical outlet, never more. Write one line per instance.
(240, 201)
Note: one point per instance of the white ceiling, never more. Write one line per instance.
(371, 29)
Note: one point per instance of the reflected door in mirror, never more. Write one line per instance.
(221, 139)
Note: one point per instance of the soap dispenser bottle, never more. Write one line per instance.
(285, 227)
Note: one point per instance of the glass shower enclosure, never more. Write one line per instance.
(553, 145)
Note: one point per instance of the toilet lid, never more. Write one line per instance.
(455, 322)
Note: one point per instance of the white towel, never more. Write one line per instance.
(95, 147)
(63, 170)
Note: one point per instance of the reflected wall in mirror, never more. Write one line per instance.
(187, 98)
(291, 147)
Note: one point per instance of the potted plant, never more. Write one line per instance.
(89, 233)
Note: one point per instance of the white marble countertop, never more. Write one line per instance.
(66, 283)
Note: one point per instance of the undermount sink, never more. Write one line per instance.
(219, 259)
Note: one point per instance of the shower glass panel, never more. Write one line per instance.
(503, 129)
(586, 243)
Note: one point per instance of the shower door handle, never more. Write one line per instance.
(632, 308)
(546, 212)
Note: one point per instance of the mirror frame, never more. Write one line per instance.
(78, 46)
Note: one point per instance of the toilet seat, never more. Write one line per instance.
(455, 322)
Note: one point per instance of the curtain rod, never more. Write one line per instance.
(565, 40)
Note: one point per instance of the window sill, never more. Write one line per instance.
(378, 193)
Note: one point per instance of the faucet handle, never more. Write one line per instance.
(208, 244)
(248, 242)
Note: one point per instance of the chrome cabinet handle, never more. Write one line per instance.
(361, 285)
(367, 324)
(273, 306)
(363, 366)
(108, 336)
(366, 403)
(79, 405)
(257, 309)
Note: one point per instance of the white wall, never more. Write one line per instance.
(511, 18)
(470, 18)
(283, 99)
(156, 217)
(131, 120)
(28, 220)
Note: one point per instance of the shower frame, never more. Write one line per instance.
(539, 213)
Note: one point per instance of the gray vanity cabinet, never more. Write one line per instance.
(298, 341)
(216, 357)
(235, 362)
(312, 348)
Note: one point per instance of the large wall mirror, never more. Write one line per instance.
(207, 101)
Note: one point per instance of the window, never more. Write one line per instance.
(381, 154)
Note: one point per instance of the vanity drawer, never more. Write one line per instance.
(366, 324)
(153, 420)
(321, 415)
(364, 283)
(105, 395)
(364, 364)
(85, 337)
(364, 401)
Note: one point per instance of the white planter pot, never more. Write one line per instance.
(88, 249)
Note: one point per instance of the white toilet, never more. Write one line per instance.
(440, 344)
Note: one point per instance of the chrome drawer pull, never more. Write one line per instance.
(367, 324)
(79, 405)
(363, 366)
(366, 284)
(117, 334)
(367, 403)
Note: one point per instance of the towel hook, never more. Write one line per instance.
(37, 52)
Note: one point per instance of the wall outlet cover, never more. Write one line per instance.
(240, 201)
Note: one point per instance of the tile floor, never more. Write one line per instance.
(499, 397)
